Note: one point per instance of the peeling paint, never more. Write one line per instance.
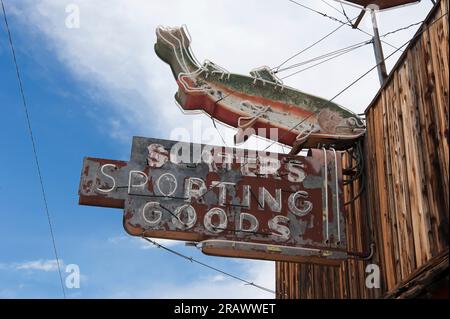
(198, 201)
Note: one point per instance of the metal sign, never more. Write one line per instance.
(231, 202)
(382, 4)
(255, 104)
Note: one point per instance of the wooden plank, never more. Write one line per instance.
(425, 123)
(410, 168)
(414, 148)
(405, 208)
(424, 277)
(397, 242)
(437, 68)
(440, 216)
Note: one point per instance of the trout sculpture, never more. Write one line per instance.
(255, 104)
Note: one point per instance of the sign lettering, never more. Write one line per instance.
(232, 202)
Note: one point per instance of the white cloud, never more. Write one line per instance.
(112, 52)
(141, 243)
(217, 286)
(217, 278)
(117, 239)
(163, 242)
(39, 265)
(261, 273)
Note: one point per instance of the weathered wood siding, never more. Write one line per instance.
(405, 207)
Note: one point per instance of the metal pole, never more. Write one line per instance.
(379, 56)
(359, 19)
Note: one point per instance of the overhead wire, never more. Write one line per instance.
(344, 12)
(331, 55)
(278, 69)
(275, 69)
(339, 21)
(332, 7)
(193, 260)
(322, 62)
(358, 79)
(319, 12)
(401, 29)
(217, 129)
(34, 148)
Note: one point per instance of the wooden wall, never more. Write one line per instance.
(405, 207)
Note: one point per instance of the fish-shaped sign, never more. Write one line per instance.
(257, 103)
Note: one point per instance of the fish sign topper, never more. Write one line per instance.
(230, 202)
(254, 104)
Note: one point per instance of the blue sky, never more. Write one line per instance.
(89, 90)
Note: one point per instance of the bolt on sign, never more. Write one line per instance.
(231, 202)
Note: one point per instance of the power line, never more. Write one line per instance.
(33, 143)
(326, 60)
(387, 43)
(217, 129)
(307, 48)
(326, 55)
(339, 21)
(350, 4)
(332, 7)
(401, 29)
(193, 260)
(360, 77)
(277, 69)
(333, 54)
(340, 92)
(337, 53)
(318, 12)
(344, 13)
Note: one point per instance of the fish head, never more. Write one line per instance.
(336, 123)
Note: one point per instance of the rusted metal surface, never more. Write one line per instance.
(382, 4)
(237, 203)
(405, 209)
(255, 104)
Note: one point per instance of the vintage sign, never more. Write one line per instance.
(257, 103)
(232, 202)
